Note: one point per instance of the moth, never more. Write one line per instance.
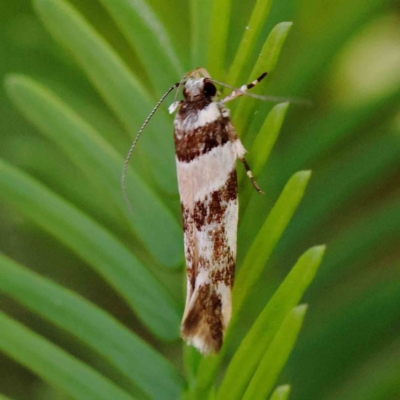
(207, 147)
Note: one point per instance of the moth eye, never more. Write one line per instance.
(209, 89)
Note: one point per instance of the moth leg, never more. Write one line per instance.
(239, 92)
(250, 175)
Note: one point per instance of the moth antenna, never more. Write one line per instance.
(181, 82)
(178, 86)
(278, 99)
(266, 98)
(128, 157)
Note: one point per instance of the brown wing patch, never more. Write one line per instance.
(204, 320)
(194, 142)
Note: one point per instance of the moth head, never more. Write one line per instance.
(197, 89)
(197, 85)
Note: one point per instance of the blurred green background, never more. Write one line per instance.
(345, 57)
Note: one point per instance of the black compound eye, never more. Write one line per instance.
(209, 89)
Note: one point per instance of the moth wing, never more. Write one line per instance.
(210, 228)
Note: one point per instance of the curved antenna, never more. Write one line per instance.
(128, 157)
(276, 99)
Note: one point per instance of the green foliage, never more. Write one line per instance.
(88, 94)
(275, 357)
(97, 329)
(281, 393)
(54, 364)
(258, 340)
(266, 62)
(265, 140)
(102, 165)
(118, 86)
(151, 301)
(268, 236)
(248, 42)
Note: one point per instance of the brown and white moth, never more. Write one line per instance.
(207, 147)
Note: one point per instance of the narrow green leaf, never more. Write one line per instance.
(120, 88)
(316, 139)
(146, 33)
(315, 56)
(200, 15)
(124, 93)
(152, 221)
(281, 393)
(265, 63)
(89, 108)
(261, 149)
(55, 365)
(364, 164)
(359, 238)
(343, 126)
(363, 307)
(2, 397)
(191, 359)
(123, 349)
(261, 334)
(207, 370)
(142, 291)
(250, 37)
(267, 136)
(272, 48)
(275, 358)
(253, 264)
(218, 36)
(268, 236)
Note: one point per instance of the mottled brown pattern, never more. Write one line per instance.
(214, 205)
(192, 143)
(204, 316)
(225, 275)
(200, 213)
